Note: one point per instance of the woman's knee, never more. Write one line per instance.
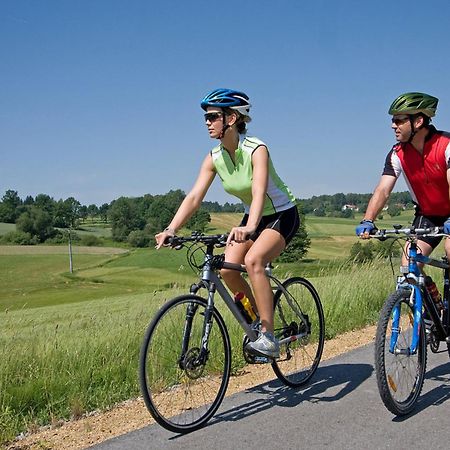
(254, 263)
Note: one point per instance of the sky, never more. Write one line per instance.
(101, 98)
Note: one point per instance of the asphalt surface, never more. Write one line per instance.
(339, 409)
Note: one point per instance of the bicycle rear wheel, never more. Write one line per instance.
(400, 375)
(298, 311)
(181, 389)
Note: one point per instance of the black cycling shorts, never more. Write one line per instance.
(285, 222)
(429, 222)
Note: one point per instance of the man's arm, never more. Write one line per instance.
(381, 195)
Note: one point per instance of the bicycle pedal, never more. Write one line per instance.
(261, 359)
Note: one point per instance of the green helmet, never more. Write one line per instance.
(414, 103)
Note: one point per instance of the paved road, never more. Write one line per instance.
(341, 409)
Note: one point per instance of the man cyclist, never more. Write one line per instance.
(422, 154)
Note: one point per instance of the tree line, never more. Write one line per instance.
(135, 220)
(344, 205)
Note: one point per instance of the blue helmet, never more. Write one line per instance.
(227, 98)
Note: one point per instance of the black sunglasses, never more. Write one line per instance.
(399, 120)
(213, 116)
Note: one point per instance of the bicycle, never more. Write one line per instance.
(185, 358)
(401, 337)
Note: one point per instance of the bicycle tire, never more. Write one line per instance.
(299, 358)
(184, 399)
(400, 377)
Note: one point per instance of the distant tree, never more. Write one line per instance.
(139, 238)
(347, 214)
(162, 210)
(8, 206)
(338, 201)
(45, 202)
(29, 200)
(320, 212)
(83, 212)
(66, 213)
(199, 221)
(124, 217)
(36, 222)
(233, 207)
(211, 206)
(92, 211)
(103, 212)
(394, 210)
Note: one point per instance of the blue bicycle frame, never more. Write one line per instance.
(414, 281)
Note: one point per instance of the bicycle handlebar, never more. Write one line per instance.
(408, 232)
(218, 240)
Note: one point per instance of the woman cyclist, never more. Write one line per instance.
(271, 217)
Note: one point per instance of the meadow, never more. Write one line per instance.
(70, 342)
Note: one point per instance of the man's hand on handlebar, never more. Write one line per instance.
(365, 229)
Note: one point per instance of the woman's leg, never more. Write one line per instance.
(235, 253)
(267, 247)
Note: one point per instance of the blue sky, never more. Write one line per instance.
(100, 98)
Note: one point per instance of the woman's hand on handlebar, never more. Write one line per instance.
(240, 234)
(162, 237)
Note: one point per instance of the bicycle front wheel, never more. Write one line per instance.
(182, 384)
(400, 375)
(300, 326)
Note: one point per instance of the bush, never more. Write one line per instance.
(361, 253)
(138, 238)
(61, 237)
(90, 240)
(19, 238)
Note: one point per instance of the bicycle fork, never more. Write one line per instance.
(415, 300)
(199, 359)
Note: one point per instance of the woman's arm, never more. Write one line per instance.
(191, 202)
(260, 162)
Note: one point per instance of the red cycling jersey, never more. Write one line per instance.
(426, 173)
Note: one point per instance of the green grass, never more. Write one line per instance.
(64, 360)
(70, 342)
(6, 228)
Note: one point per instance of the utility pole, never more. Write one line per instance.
(70, 253)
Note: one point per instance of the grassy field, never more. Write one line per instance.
(70, 342)
(6, 228)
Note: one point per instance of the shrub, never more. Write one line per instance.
(361, 253)
(19, 238)
(138, 238)
(90, 240)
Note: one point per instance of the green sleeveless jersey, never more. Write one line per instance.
(237, 177)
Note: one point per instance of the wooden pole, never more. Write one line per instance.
(70, 254)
